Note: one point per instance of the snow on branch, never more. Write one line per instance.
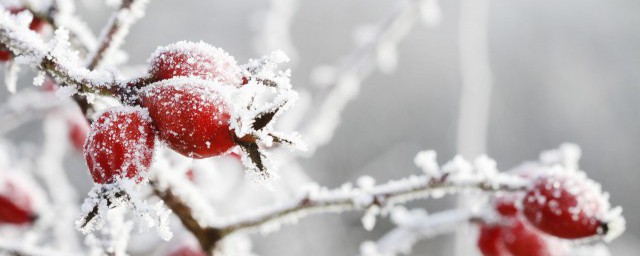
(455, 176)
(117, 29)
(378, 49)
(413, 226)
(60, 13)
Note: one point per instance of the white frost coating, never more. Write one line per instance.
(426, 160)
(11, 76)
(413, 226)
(314, 199)
(122, 193)
(38, 80)
(168, 176)
(568, 155)
(114, 237)
(235, 245)
(25, 106)
(122, 19)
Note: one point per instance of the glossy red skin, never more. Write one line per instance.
(196, 125)
(78, 133)
(35, 25)
(172, 63)
(553, 215)
(523, 240)
(490, 241)
(514, 238)
(15, 206)
(110, 150)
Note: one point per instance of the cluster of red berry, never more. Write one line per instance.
(181, 104)
(559, 205)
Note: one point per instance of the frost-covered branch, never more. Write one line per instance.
(117, 29)
(25, 106)
(378, 50)
(61, 13)
(58, 60)
(413, 226)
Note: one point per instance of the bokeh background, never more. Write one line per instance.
(563, 71)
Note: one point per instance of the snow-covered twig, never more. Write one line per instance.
(118, 27)
(456, 176)
(60, 13)
(378, 51)
(414, 226)
(25, 106)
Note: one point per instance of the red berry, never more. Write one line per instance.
(4, 55)
(490, 241)
(120, 144)
(506, 205)
(522, 240)
(15, 203)
(514, 238)
(78, 132)
(191, 118)
(194, 59)
(565, 205)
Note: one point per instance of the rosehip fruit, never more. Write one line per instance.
(490, 241)
(565, 205)
(15, 203)
(522, 240)
(194, 59)
(514, 238)
(120, 144)
(190, 118)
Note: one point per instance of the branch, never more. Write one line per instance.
(356, 67)
(385, 195)
(118, 27)
(412, 229)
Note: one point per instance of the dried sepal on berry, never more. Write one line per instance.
(566, 204)
(120, 145)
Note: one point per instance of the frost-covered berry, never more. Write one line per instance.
(16, 202)
(190, 117)
(120, 144)
(35, 25)
(194, 59)
(566, 205)
(490, 241)
(514, 238)
(520, 239)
